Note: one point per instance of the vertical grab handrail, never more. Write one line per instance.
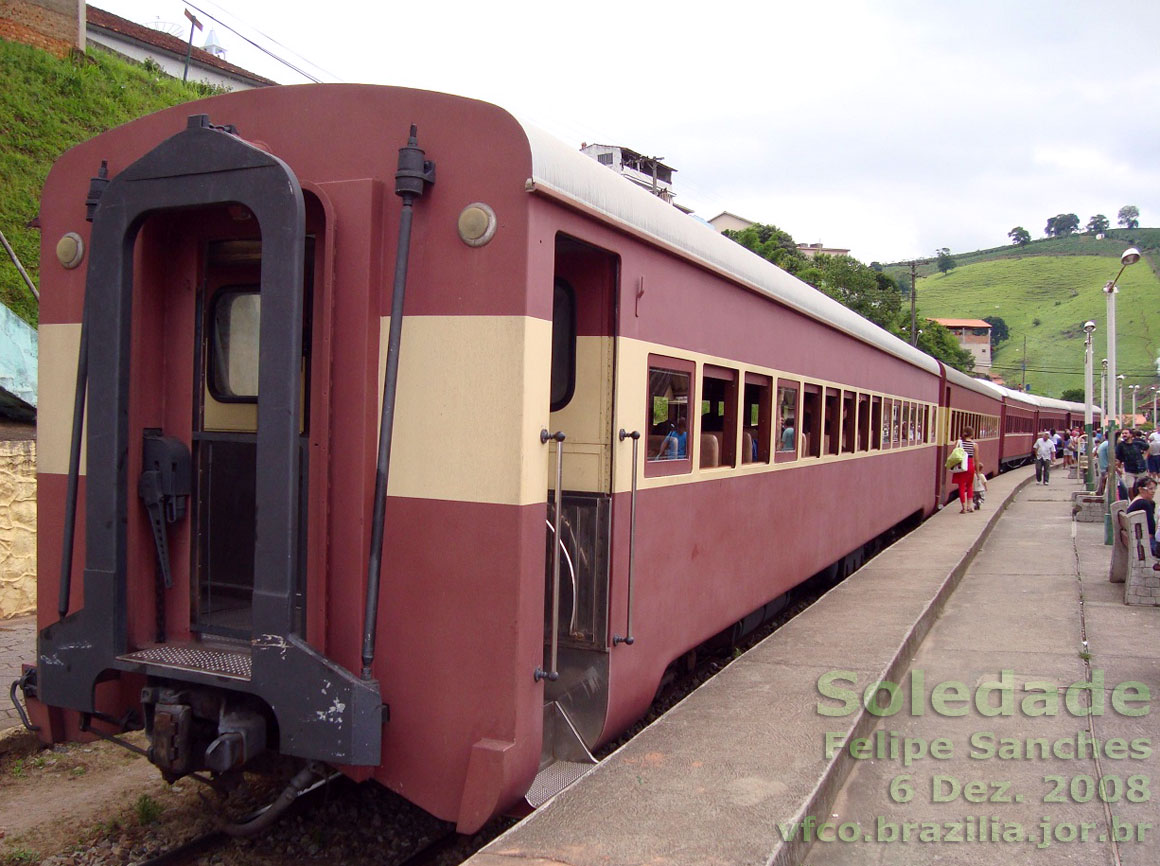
(552, 673)
(628, 638)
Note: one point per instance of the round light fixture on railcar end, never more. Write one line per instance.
(476, 224)
(70, 250)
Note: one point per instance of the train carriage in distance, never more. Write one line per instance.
(614, 435)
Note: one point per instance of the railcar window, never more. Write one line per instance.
(233, 362)
(811, 420)
(849, 421)
(875, 423)
(887, 409)
(863, 440)
(718, 416)
(912, 421)
(669, 392)
(757, 415)
(896, 424)
(832, 419)
(563, 344)
(787, 416)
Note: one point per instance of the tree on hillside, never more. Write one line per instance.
(1072, 395)
(1098, 224)
(1020, 236)
(999, 331)
(1061, 225)
(1129, 216)
(945, 261)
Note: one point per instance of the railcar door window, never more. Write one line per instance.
(787, 420)
(233, 367)
(563, 345)
(669, 393)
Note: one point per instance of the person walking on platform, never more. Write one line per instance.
(1102, 463)
(1044, 454)
(980, 485)
(1130, 452)
(965, 477)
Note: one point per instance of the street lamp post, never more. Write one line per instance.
(1088, 328)
(1129, 257)
(1134, 389)
(1120, 400)
(1104, 395)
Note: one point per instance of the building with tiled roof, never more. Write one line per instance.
(141, 43)
(974, 335)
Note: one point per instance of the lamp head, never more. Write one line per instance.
(1121, 378)
(1089, 326)
(1130, 256)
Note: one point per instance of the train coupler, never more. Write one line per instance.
(201, 729)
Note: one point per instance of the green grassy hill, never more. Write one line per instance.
(1045, 292)
(47, 106)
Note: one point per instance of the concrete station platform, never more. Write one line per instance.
(738, 773)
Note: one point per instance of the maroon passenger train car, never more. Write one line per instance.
(219, 289)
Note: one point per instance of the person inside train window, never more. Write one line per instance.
(787, 412)
(676, 442)
(668, 415)
(787, 434)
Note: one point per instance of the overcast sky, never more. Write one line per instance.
(891, 128)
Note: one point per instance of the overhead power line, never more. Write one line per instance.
(262, 48)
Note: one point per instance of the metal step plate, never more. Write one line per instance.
(219, 662)
(553, 779)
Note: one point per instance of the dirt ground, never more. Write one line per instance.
(96, 804)
(62, 801)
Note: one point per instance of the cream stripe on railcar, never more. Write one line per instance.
(559, 170)
(57, 375)
(472, 398)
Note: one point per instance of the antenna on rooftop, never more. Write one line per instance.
(170, 27)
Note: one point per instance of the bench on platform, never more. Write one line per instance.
(1132, 561)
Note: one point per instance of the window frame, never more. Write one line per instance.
(791, 455)
(654, 468)
(764, 427)
(729, 414)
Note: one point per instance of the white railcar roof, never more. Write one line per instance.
(560, 170)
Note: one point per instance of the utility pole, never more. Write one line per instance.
(913, 323)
